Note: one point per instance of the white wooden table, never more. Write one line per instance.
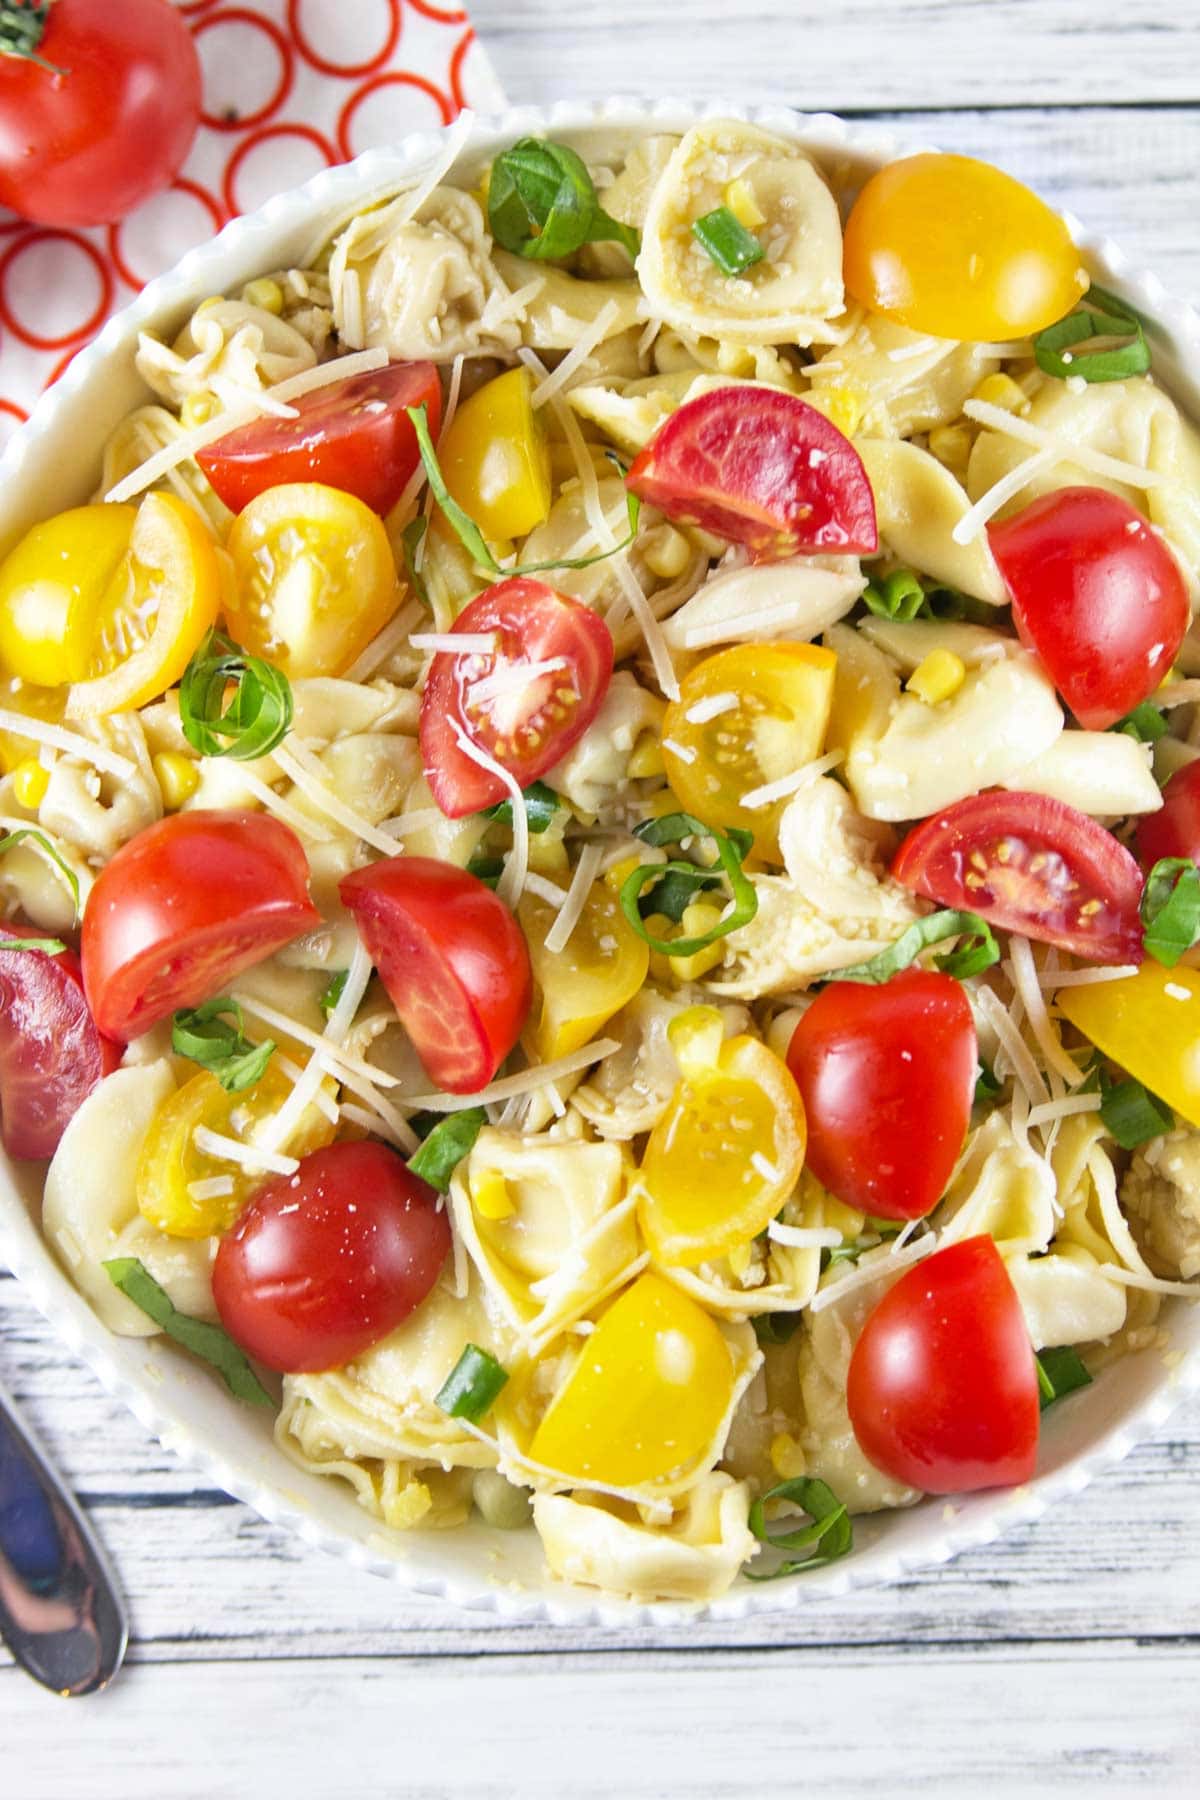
(1065, 1658)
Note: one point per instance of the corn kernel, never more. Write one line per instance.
(666, 553)
(197, 409)
(787, 1458)
(489, 1195)
(951, 444)
(698, 918)
(739, 1260)
(939, 676)
(264, 293)
(407, 1508)
(842, 406)
(30, 782)
(740, 198)
(1002, 390)
(177, 776)
(647, 757)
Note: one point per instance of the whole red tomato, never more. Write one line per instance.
(109, 122)
(51, 1054)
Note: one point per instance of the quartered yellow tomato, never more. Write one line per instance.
(186, 1192)
(728, 1150)
(579, 988)
(315, 579)
(1148, 1023)
(494, 457)
(647, 1396)
(954, 247)
(776, 708)
(51, 587)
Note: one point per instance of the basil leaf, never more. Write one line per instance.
(969, 960)
(487, 869)
(1132, 1114)
(541, 804)
(334, 991)
(51, 946)
(209, 1342)
(256, 718)
(410, 542)
(727, 242)
(542, 203)
(674, 827)
(732, 848)
(1145, 723)
(676, 891)
(987, 1085)
(1170, 909)
(1108, 317)
(472, 1385)
(830, 1534)
(775, 1328)
(446, 1145)
(1060, 1371)
(28, 831)
(204, 1035)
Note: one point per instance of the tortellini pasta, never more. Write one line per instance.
(601, 1543)
(229, 349)
(918, 504)
(897, 381)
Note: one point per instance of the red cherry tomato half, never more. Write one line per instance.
(354, 435)
(1097, 594)
(942, 1388)
(183, 908)
(1175, 829)
(526, 729)
(51, 1054)
(887, 1075)
(86, 144)
(453, 959)
(761, 468)
(1033, 865)
(326, 1262)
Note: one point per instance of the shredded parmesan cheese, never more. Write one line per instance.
(571, 911)
(455, 643)
(1026, 432)
(1053, 1110)
(273, 1132)
(302, 767)
(512, 883)
(217, 1187)
(393, 637)
(1177, 693)
(527, 1082)
(1013, 1045)
(1000, 492)
(877, 1265)
(804, 1237)
(789, 784)
(71, 743)
(248, 1156)
(711, 707)
(578, 355)
(512, 678)
(760, 620)
(1153, 1284)
(1022, 972)
(1060, 978)
(301, 822)
(544, 889)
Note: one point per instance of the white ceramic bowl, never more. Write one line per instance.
(52, 463)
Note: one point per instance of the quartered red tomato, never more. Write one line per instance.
(887, 1075)
(453, 959)
(1033, 865)
(183, 908)
(1097, 594)
(354, 435)
(51, 1052)
(762, 468)
(1175, 829)
(563, 650)
(942, 1388)
(326, 1262)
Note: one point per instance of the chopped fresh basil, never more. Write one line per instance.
(472, 1385)
(69, 876)
(727, 242)
(542, 203)
(1132, 1114)
(334, 991)
(256, 718)
(446, 1145)
(987, 1086)
(487, 869)
(675, 892)
(209, 1342)
(1170, 909)
(204, 1035)
(830, 1534)
(1099, 315)
(541, 804)
(1060, 1371)
(410, 543)
(979, 953)
(732, 848)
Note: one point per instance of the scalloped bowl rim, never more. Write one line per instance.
(186, 1411)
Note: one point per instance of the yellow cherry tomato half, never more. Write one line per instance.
(495, 459)
(578, 988)
(171, 1168)
(957, 248)
(648, 1395)
(777, 700)
(51, 586)
(1148, 1023)
(17, 696)
(314, 578)
(154, 612)
(728, 1150)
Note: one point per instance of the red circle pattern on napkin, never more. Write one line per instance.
(290, 87)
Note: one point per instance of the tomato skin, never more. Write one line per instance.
(1097, 595)
(51, 1053)
(1175, 829)
(183, 908)
(942, 1387)
(326, 1262)
(887, 1075)
(86, 146)
(453, 959)
(533, 623)
(354, 435)
(760, 468)
(1081, 863)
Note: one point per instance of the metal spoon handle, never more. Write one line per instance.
(60, 1613)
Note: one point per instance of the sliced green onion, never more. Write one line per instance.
(1132, 1114)
(27, 831)
(987, 1086)
(257, 717)
(541, 804)
(1170, 909)
(209, 1342)
(970, 960)
(950, 606)
(732, 848)
(468, 532)
(829, 1536)
(472, 1385)
(204, 1035)
(487, 869)
(1145, 723)
(775, 1328)
(542, 203)
(1099, 315)
(898, 596)
(1060, 1371)
(334, 991)
(51, 946)
(410, 542)
(727, 242)
(445, 1147)
(844, 1253)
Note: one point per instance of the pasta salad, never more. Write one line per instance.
(600, 832)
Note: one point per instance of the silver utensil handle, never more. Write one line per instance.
(60, 1613)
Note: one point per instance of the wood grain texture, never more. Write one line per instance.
(1061, 1659)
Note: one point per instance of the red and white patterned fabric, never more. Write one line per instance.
(290, 87)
